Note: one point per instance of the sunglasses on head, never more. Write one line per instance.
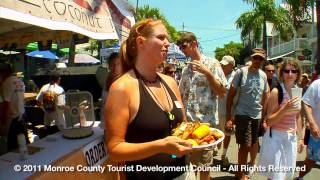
(287, 71)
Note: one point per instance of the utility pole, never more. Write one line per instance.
(137, 6)
(182, 26)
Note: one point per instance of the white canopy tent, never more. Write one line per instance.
(32, 20)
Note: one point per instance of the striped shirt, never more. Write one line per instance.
(288, 122)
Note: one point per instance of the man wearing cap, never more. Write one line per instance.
(253, 89)
(200, 85)
(227, 64)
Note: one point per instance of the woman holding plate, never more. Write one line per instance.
(143, 107)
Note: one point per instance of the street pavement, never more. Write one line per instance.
(224, 174)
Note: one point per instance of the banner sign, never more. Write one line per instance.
(87, 17)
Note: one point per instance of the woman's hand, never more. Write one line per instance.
(292, 106)
(300, 146)
(176, 146)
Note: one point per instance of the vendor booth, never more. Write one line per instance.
(80, 159)
(64, 22)
(31, 20)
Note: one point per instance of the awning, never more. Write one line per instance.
(269, 59)
(122, 17)
(90, 19)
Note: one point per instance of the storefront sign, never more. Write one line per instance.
(88, 17)
(95, 152)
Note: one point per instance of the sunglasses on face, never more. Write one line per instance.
(287, 71)
(258, 58)
(270, 71)
(183, 46)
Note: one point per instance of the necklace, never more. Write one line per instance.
(157, 79)
(169, 114)
(139, 76)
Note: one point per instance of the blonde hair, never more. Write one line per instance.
(292, 62)
(129, 50)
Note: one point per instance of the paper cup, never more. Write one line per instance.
(297, 92)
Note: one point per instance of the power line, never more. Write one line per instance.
(207, 28)
(219, 38)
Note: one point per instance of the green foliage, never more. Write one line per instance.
(94, 44)
(300, 11)
(147, 12)
(233, 49)
(110, 42)
(253, 21)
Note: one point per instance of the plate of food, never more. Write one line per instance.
(200, 135)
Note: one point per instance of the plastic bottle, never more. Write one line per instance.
(23, 149)
(83, 119)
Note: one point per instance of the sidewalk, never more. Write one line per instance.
(233, 158)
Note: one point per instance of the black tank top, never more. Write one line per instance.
(152, 123)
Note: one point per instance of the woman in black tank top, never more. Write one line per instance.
(143, 107)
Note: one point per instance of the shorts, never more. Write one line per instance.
(247, 129)
(314, 148)
(202, 158)
(306, 137)
(222, 125)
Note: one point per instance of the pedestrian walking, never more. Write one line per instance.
(227, 64)
(251, 82)
(279, 143)
(311, 103)
(202, 82)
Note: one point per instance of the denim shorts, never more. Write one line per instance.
(314, 148)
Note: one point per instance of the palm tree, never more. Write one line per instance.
(146, 12)
(255, 21)
(299, 12)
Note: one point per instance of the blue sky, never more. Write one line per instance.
(211, 20)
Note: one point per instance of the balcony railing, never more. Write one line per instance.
(313, 32)
(283, 48)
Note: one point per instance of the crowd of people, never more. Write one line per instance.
(255, 101)
(144, 101)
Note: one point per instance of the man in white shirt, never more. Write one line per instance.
(311, 103)
(200, 85)
(12, 106)
(56, 116)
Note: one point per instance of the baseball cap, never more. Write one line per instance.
(258, 52)
(228, 60)
(305, 75)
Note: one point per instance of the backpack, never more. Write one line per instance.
(49, 101)
(280, 93)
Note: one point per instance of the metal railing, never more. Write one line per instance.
(283, 48)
